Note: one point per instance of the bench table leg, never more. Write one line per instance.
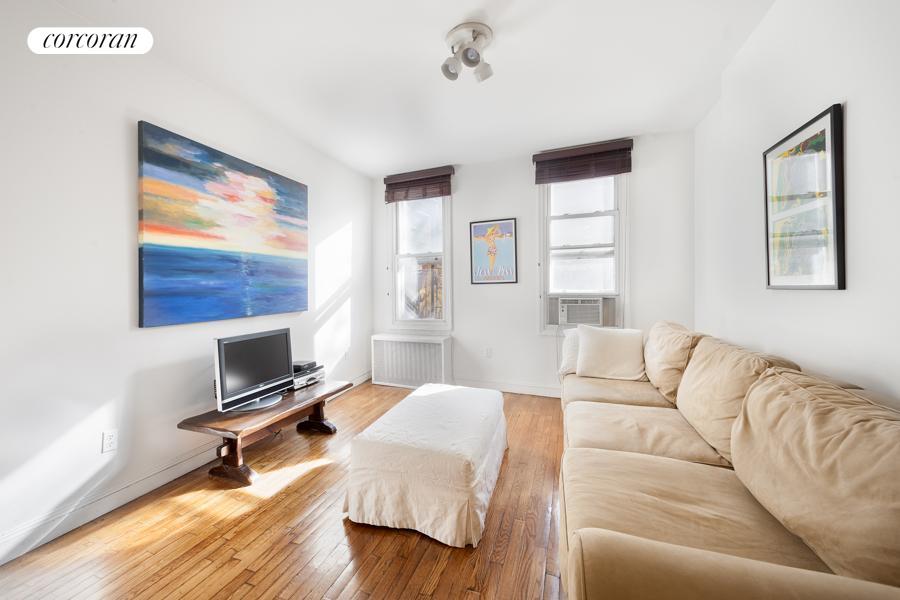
(233, 466)
(317, 421)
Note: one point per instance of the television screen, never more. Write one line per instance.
(252, 366)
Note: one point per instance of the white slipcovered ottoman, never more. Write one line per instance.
(430, 463)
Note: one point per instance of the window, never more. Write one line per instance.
(421, 298)
(583, 249)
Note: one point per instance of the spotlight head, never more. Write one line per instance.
(451, 68)
(470, 55)
(483, 71)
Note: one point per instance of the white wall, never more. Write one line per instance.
(804, 56)
(660, 244)
(505, 317)
(73, 360)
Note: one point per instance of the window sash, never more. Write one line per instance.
(423, 255)
(399, 317)
(596, 213)
(617, 249)
(399, 297)
(614, 245)
(582, 247)
(613, 255)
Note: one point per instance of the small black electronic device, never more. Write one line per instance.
(304, 366)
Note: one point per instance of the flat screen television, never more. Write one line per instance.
(252, 370)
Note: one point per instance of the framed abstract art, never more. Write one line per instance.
(218, 237)
(804, 185)
(493, 251)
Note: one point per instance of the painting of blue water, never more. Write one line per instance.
(187, 285)
(218, 237)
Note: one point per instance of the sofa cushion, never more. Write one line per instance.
(616, 391)
(666, 354)
(825, 462)
(568, 352)
(644, 429)
(610, 353)
(674, 501)
(847, 385)
(714, 385)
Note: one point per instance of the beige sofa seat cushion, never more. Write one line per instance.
(666, 355)
(644, 429)
(714, 385)
(674, 501)
(825, 462)
(626, 567)
(616, 391)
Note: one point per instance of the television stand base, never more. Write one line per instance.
(243, 474)
(240, 429)
(317, 421)
(323, 426)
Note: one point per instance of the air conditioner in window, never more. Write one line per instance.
(586, 311)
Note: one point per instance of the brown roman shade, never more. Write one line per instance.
(583, 162)
(416, 185)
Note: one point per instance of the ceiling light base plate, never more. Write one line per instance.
(471, 31)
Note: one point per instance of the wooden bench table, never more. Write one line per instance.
(239, 429)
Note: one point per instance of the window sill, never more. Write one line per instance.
(426, 326)
(557, 330)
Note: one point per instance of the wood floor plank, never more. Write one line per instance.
(287, 536)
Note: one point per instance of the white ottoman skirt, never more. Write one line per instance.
(430, 463)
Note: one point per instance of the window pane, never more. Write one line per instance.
(579, 232)
(582, 196)
(420, 288)
(419, 226)
(582, 271)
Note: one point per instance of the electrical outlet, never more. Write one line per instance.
(110, 441)
(488, 352)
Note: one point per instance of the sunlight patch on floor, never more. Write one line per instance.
(271, 482)
(211, 506)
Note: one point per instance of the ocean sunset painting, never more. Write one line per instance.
(219, 238)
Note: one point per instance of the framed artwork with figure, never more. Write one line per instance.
(804, 185)
(493, 251)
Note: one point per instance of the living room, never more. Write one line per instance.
(526, 254)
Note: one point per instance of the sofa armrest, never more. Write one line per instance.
(606, 564)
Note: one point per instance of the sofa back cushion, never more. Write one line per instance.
(666, 354)
(610, 353)
(713, 387)
(826, 463)
(568, 360)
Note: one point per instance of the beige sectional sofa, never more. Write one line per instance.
(729, 474)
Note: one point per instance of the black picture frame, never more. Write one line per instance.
(515, 244)
(806, 203)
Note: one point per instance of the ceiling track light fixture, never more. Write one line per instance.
(467, 42)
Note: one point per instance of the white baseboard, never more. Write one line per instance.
(514, 388)
(360, 379)
(14, 542)
(354, 381)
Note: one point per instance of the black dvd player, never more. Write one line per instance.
(304, 366)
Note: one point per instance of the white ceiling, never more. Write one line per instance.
(361, 80)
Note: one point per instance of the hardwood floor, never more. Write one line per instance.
(286, 537)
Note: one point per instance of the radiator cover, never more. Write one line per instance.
(410, 360)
